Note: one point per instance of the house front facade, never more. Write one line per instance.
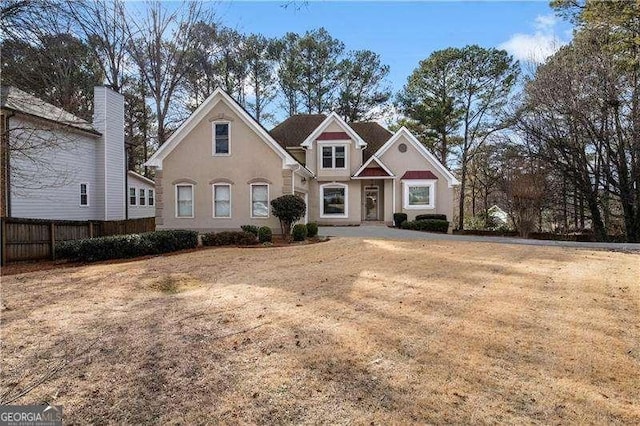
(220, 169)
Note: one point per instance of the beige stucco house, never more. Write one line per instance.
(220, 169)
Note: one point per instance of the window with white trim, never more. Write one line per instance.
(84, 194)
(142, 196)
(221, 133)
(259, 200)
(334, 200)
(132, 197)
(152, 198)
(184, 200)
(334, 156)
(221, 200)
(419, 194)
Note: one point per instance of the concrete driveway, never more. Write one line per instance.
(384, 232)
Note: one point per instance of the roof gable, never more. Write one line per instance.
(334, 118)
(381, 170)
(451, 179)
(200, 114)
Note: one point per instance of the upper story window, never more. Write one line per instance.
(221, 132)
(84, 194)
(132, 197)
(143, 197)
(334, 157)
(152, 199)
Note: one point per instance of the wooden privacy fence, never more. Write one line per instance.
(34, 239)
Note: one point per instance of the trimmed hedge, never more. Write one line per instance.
(264, 234)
(431, 216)
(125, 246)
(429, 225)
(399, 218)
(250, 228)
(312, 229)
(299, 232)
(229, 238)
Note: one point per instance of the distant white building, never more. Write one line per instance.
(141, 197)
(55, 165)
(498, 215)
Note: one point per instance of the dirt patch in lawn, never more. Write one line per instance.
(348, 331)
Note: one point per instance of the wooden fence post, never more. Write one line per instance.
(90, 229)
(3, 247)
(52, 235)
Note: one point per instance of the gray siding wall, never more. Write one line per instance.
(46, 175)
(138, 211)
(108, 119)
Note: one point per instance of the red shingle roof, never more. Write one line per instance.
(333, 136)
(419, 174)
(373, 172)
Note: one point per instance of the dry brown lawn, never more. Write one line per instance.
(348, 331)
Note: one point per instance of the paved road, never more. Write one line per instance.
(384, 232)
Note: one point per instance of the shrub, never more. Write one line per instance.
(229, 238)
(299, 232)
(431, 216)
(264, 234)
(289, 209)
(429, 225)
(398, 218)
(250, 228)
(124, 246)
(312, 229)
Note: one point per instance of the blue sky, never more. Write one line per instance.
(403, 33)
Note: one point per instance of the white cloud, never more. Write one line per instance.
(538, 46)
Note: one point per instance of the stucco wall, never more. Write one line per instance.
(399, 163)
(354, 209)
(192, 160)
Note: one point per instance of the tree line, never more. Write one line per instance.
(559, 148)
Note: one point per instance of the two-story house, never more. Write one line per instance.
(220, 169)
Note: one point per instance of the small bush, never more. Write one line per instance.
(229, 238)
(312, 229)
(251, 229)
(299, 232)
(431, 216)
(398, 218)
(429, 225)
(125, 246)
(288, 209)
(265, 235)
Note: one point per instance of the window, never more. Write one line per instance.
(132, 197)
(220, 138)
(143, 196)
(84, 194)
(334, 157)
(259, 200)
(184, 200)
(221, 200)
(419, 194)
(152, 199)
(334, 200)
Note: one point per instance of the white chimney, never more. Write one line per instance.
(108, 119)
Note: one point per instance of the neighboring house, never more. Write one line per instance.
(220, 169)
(141, 197)
(55, 165)
(500, 217)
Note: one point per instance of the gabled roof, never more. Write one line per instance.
(334, 118)
(295, 129)
(451, 179)
(373, 134)
(14, 99)
(200, 113)
(380, 171)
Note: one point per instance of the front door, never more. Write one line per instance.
(371, 199)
